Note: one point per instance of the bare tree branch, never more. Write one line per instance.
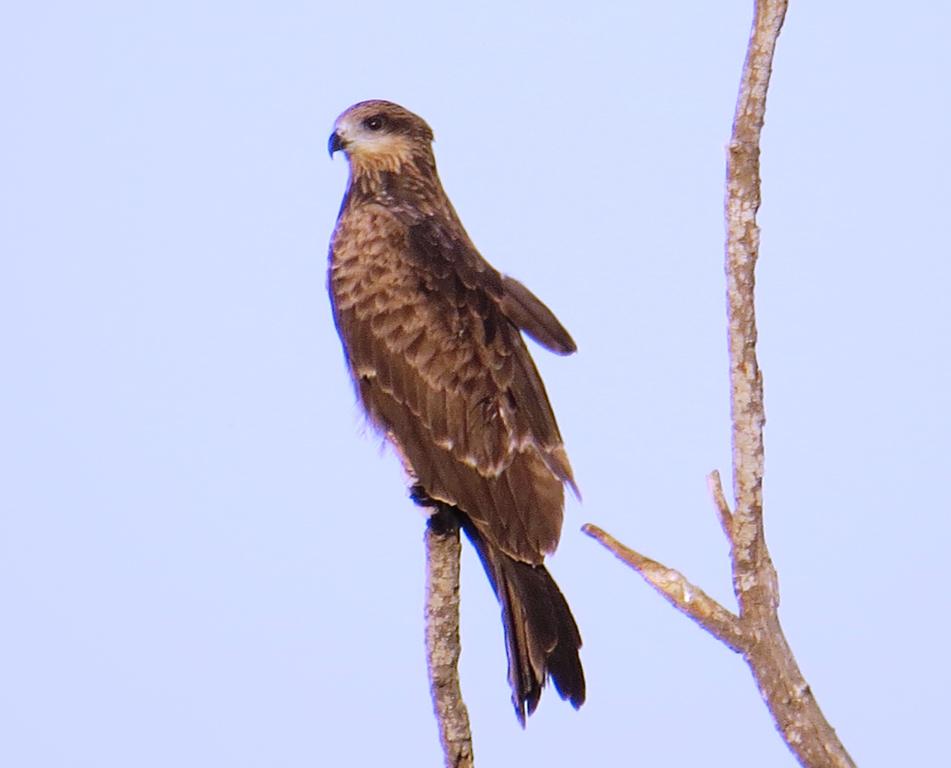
(442, 638)
(756, 632)
(679, 592)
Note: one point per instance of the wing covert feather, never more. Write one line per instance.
(443, 370)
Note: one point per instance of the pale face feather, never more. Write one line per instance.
(368, 136)
(381, 151)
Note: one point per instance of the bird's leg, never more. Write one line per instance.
(442, 518)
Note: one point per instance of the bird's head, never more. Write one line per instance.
(380, 136)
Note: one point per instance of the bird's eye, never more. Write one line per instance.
(374, 123)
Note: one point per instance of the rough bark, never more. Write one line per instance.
(754, 631)
(442, 639)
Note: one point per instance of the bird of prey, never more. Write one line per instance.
(432, 338)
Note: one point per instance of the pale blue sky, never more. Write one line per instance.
(205, 561)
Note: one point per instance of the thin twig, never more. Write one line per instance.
(442, 639)
(720, 504)
(680, 593)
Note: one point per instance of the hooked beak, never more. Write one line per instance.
(336, 142)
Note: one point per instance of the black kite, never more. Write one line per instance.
(431, 334)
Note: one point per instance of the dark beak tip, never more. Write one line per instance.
(334, 143)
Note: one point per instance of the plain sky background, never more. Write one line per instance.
(204, 558)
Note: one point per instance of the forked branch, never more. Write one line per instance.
(754, 631)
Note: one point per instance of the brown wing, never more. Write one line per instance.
(527, 311)
(442, 369)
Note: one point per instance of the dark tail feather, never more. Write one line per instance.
(541, 636)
